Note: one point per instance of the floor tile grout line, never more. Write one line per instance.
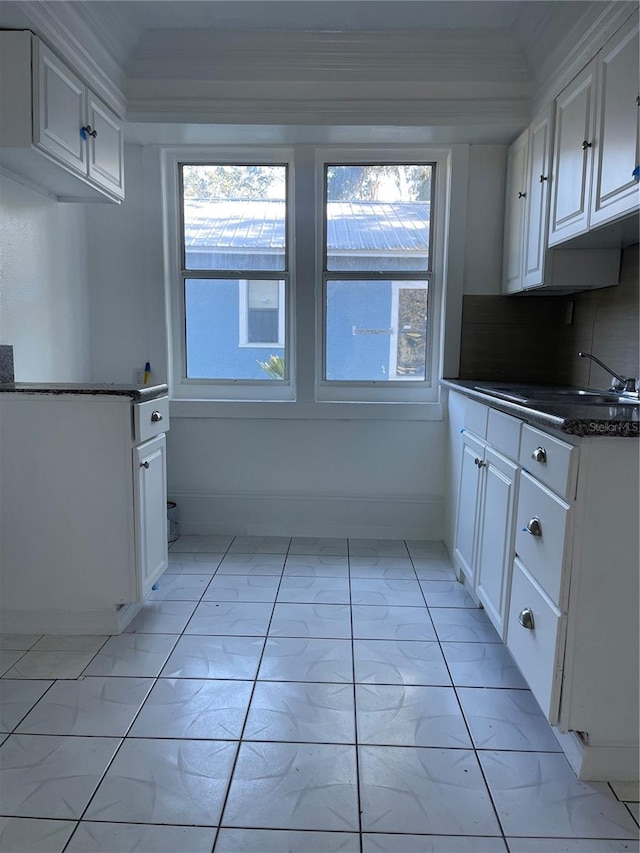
(473, 746)
(355, 708)
(246, 716)
(136, 715)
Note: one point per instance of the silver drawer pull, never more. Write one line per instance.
(534, 527)
(526, 619)
(155, 417)
(144, 464)
(539, 454)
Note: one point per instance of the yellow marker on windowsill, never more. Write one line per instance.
(147, 373)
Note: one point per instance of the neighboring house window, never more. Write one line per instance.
(376, 274)
(234, 271)
(261, 313)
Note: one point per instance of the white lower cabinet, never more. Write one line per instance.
(83, 531)
(150, 501)
(495, 535)
(484, 528)
(535, 632)
(546, 536)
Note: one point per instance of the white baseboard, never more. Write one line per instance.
(254, 514)
(66, 622)
(614, 763)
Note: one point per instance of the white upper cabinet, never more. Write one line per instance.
(615, 187)
(515, 198)
(596, 141)
(575, 119)
(59, 106)
(54, 131)
(528, 261)
(537, 201)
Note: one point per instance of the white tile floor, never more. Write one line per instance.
(297, 695)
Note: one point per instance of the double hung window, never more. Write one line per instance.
(376, 272)
(234, 273)
(364, 246)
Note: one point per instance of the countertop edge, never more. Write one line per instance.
(578, 426)
(137, 395)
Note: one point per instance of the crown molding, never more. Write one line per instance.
(62, 28)
(398, 112)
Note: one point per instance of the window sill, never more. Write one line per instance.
(287, 410)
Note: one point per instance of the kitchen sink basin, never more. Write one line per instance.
(527, 395)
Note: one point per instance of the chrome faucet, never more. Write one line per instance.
(619, 383)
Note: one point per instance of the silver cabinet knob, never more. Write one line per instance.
(522, 195)
(479, 462)
(586, 144)
(543, 178)
(534, 527)
(525, 618)
(87, 131)
(155, 417)
(539, 454)
(144, 464)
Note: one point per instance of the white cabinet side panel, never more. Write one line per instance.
(601, 669)
(66, 497)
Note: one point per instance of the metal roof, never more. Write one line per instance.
(367, 226)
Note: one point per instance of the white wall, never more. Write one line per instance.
(127, 284)
(297, 476)
(485, 218)
(44, 302)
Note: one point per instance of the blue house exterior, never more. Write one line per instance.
(235, 324)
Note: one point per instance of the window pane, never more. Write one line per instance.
(376, 330)
(234, 217)
(378, 217)
(223, 338)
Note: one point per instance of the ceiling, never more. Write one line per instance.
(320, 14)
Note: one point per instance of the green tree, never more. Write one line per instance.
(233, 182)
(274, 366)
(412, 182)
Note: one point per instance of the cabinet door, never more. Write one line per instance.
(468, 495)
(105, 165)
(58, 110)
(150, 478)
(514, 214)
(495, 536)
(615, 189)
(572, 160)
(537, 203)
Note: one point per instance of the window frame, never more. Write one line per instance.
(182, 386)
(302, 394)
(397, 391)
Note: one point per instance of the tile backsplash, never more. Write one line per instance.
(528, 338)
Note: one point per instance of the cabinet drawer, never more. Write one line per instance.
(550, 460)
(475, 417)
(150, 418)
(541, 535)
(503, 433)
(538, 649)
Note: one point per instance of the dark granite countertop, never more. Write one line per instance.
(571, 418)
(137, 395)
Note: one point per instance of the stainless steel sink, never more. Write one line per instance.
(527, 395)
